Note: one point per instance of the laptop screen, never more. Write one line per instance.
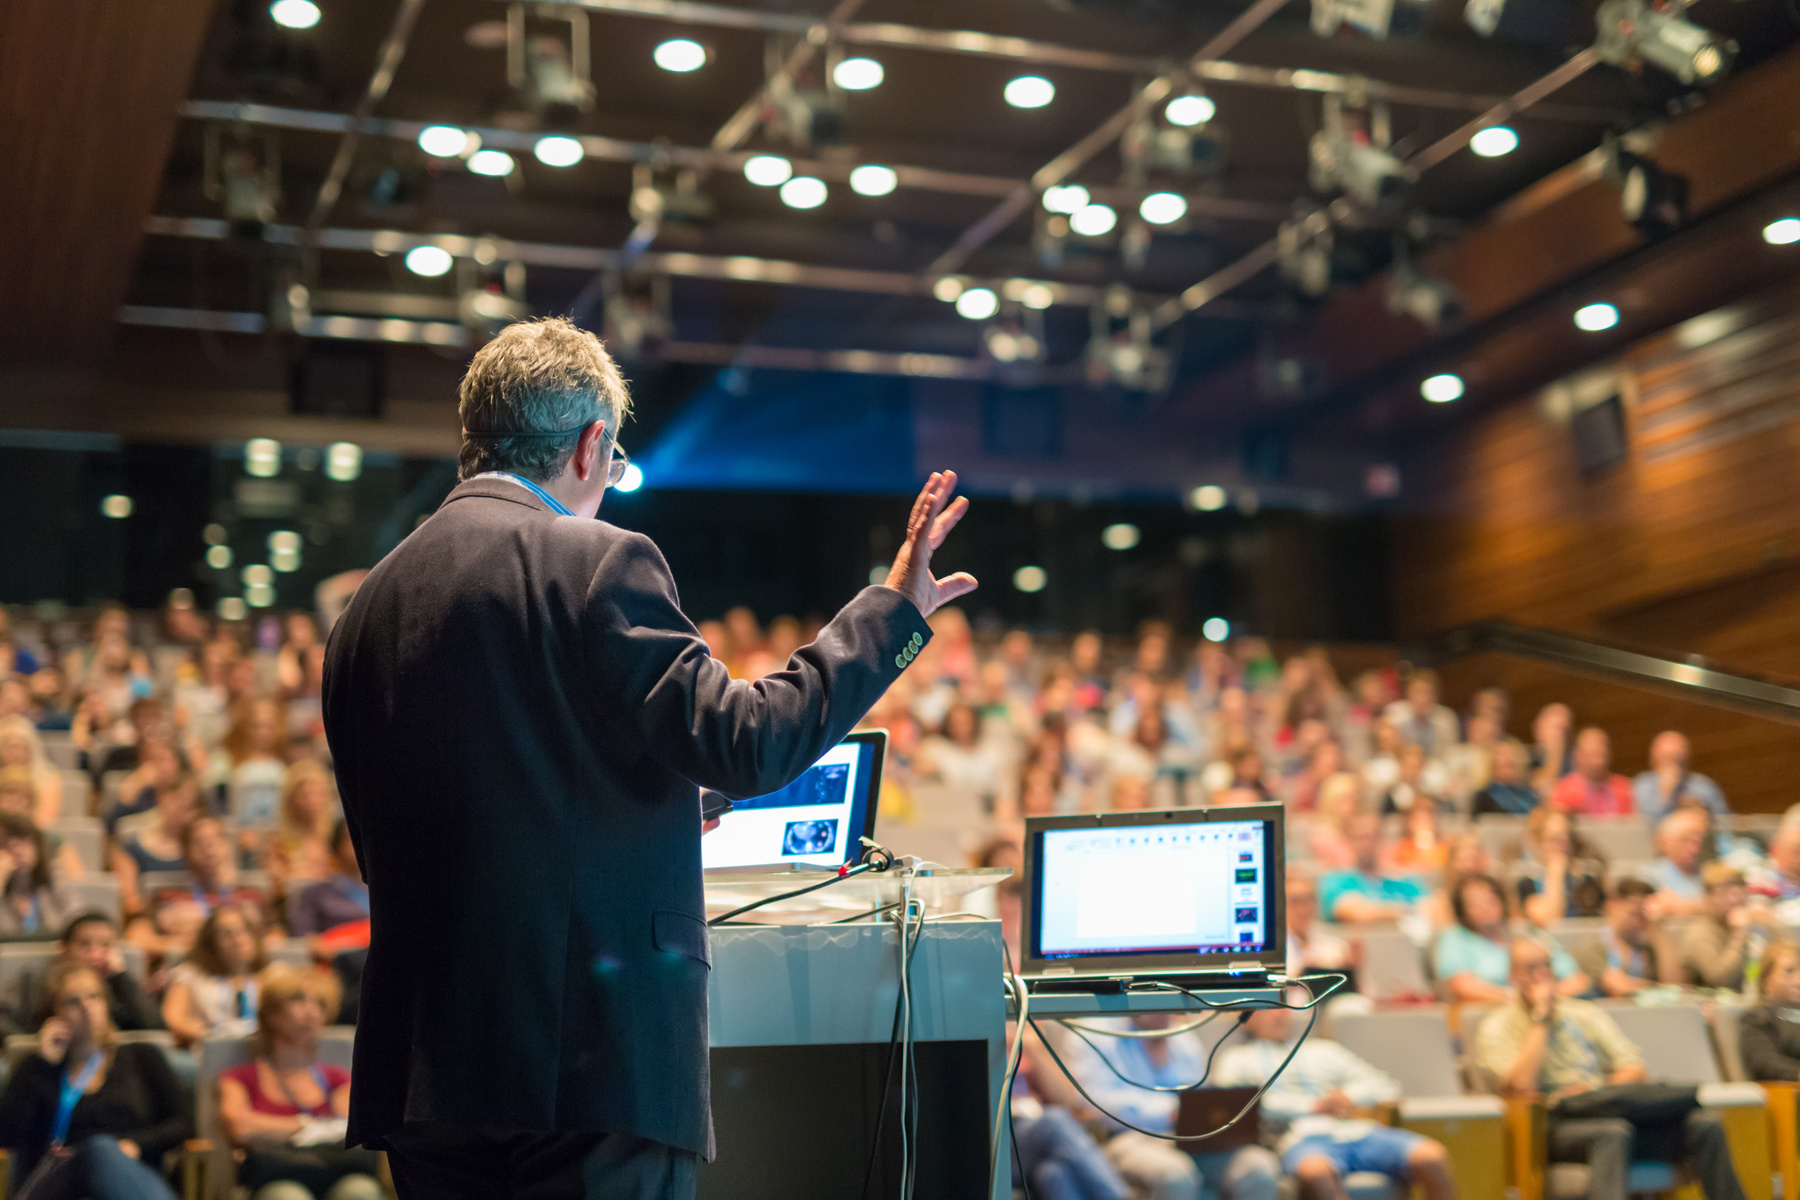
(1166, 885)
(817, 819)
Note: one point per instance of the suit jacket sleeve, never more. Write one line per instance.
(735, 737)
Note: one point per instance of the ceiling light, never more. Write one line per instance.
(1163, 208)
(871, 180)
(1216, 629)
(343, 461)
(1442, 389)
(262, 457)
(443, 141)
(803, 191)
(116, 506)
(257, 575)
(1190, 110)
(214, 535)
(231, 608)
(1494, 141)
(768, 170)
(631, 480)
(1002, 345)
(1208, 497)
(295, 14)
(948, 289)
(1065, 198)
(260, 595)
(857, 74)
(430, 261)
(680, 55)
(1119, 537)
(1030, 91)
(978, 304)
(1095, 220)
(1038, 295)
(1784, 232)
(1593, 318)
(1030, 579)
(218, 557)
(558, 151)
(491, 162)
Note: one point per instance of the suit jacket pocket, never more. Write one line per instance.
(681, 933)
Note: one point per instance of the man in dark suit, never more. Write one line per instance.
(522, 718)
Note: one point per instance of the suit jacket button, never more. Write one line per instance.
(900, 662)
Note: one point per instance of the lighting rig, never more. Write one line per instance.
(550, 76)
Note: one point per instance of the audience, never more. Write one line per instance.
(1592, 788)
(213, 991)
(32, 900)
(1473, 963)
(1631, 951)
(1362, 892)
(340, 898)
(1680, 846)
(1508, 789)
(1668, 784)
(298, 849)
(1768, 1035)
(1559, 876)
(1717, 942)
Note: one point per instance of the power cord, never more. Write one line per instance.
(1162, 1087)
(886, 1077)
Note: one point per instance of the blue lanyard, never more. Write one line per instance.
(70, 1096)
(555, 505)
(356, 893)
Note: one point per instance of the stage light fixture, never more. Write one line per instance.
(1030, 91)
(1190, 110)
(1432, 302)
(343, 461)
(116, 506)
(1037, 295)
(948, 289)
(429, 261)
(558, 151)
(1494, 141)
(496, 163)
(680, 55)
(1592, 318)
(978, 304)
(1209, 497)
(295, 14)
(443, 141)
(1030, 579)
(218, 557)
(1122, 536)
(1216, 629)
(214, 535)
(1094, 220)
(231, 608)
(872, 180)
(260, 595)
(1784, 232)
(284, 550)
(803, 191)
(768, 170)
(257, 575)
(631, 480)
(1067, 198)
(1442, 389)
(1632, 29)
(1163, 208)
(262, 457)
(858, 74)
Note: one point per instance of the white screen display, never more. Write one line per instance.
(808, 821)
(1152, 889)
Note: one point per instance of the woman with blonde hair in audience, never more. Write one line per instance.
(298, 851)
(252, 763)
(32, 899)
(1340, 798)
(1559, 876)
(285, 1110)
(214, 990)
(22, 749)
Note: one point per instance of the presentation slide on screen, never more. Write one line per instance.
(1149, 889)
(807, 821)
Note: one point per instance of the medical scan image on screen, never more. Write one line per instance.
(1153, 889)
(808, 821)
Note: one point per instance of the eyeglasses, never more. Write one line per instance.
(615, 469)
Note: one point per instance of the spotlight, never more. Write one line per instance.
(243, 178)
(803, 191)
(343, 461)
(1065, 198)
(948, 289)
(295, 14)
(1163, 208)
(1191, 109)
(1094, 220)
(631, 480)
(1592, 318)
(1494, 141)
(978, 304)
(497, 163)
(231, 608)
(218, 557)
(1216, 629)
(871, 180)
(1038, 296)
(1442, 389)
(1209, 497)
(443, 141)
(680, 55)
(1349, 153)
(1030, 579)
(430, 261)
(260, 595)
(1305, 261)
(1655, 201)
(262, 457)
(1119, 537)
(768, 170)
(1784, 232)
(1432, 302)
(1030, 91)
(116, 506)
(257, 575)
(284, 550)
(857, 74)
(1631, 29)
(558, 151)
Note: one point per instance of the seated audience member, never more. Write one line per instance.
(342, 897)
(1560, 875)
(251, 763)
(1421, 848)
(1420, 719)
(960, 757)
(22, 749)
(1509, 788)
(158, 762)
(1592, 788)
(18, 799)
(1472, 960)
(1382, 767)
(1340, 798)
(1420, 783)
(1542, 1043)
(1551, 755)
(213, 991)
(298, 850)
(152, 841)
(1309, 946)
(127, 1109)
(1313, 1104)
(1631, 952)
(1680, 846)
(175, 914)
(1716, 944)
(1362, 892)
(92, 941)
(1769, 1035)
(1669, 785)
(284, 1111)
(32, 900)
(1162, 1169)
(1465, 856)
(1779, 879)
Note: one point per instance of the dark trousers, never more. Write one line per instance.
(99, 1170)
(450, 1162)
(1604, 1144)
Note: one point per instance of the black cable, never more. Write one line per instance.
(873, 912)
(1163, 1087)
(887, 1076)
(853, 872)
(1013, 1133)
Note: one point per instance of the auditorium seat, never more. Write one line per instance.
(1620, 838)
(86, 838)
(1392, 967)
(59, 748)
(1579, 933)
(97, 893)
(78, 791)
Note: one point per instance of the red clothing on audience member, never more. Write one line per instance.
(1576, 794)
(246, 1074)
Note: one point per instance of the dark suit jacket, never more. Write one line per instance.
(521, 719)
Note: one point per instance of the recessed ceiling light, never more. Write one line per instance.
(1065, 198)
(768, 170)
(1494, 141)
(1208, 497)
(1030, 579)
(1216, 629)
(262, 457)
(978, 304)
(443, 141)
(857, 74)
(948, 289)
(343, 461)
(1191, 109)
(1592, 318)
(116, 506)
(491, 162)
(1038, 295)
(872, 180)
(1030, 91)
(558, 151)
(295, 14)
(1122, 536)
(803, 191)
(680, 55)
(1784, 232)
(430, 261)
(1163, 208)
(1095, 220)
(1442, 389)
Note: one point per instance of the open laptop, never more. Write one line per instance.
(817, 821)
(1195, 896)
